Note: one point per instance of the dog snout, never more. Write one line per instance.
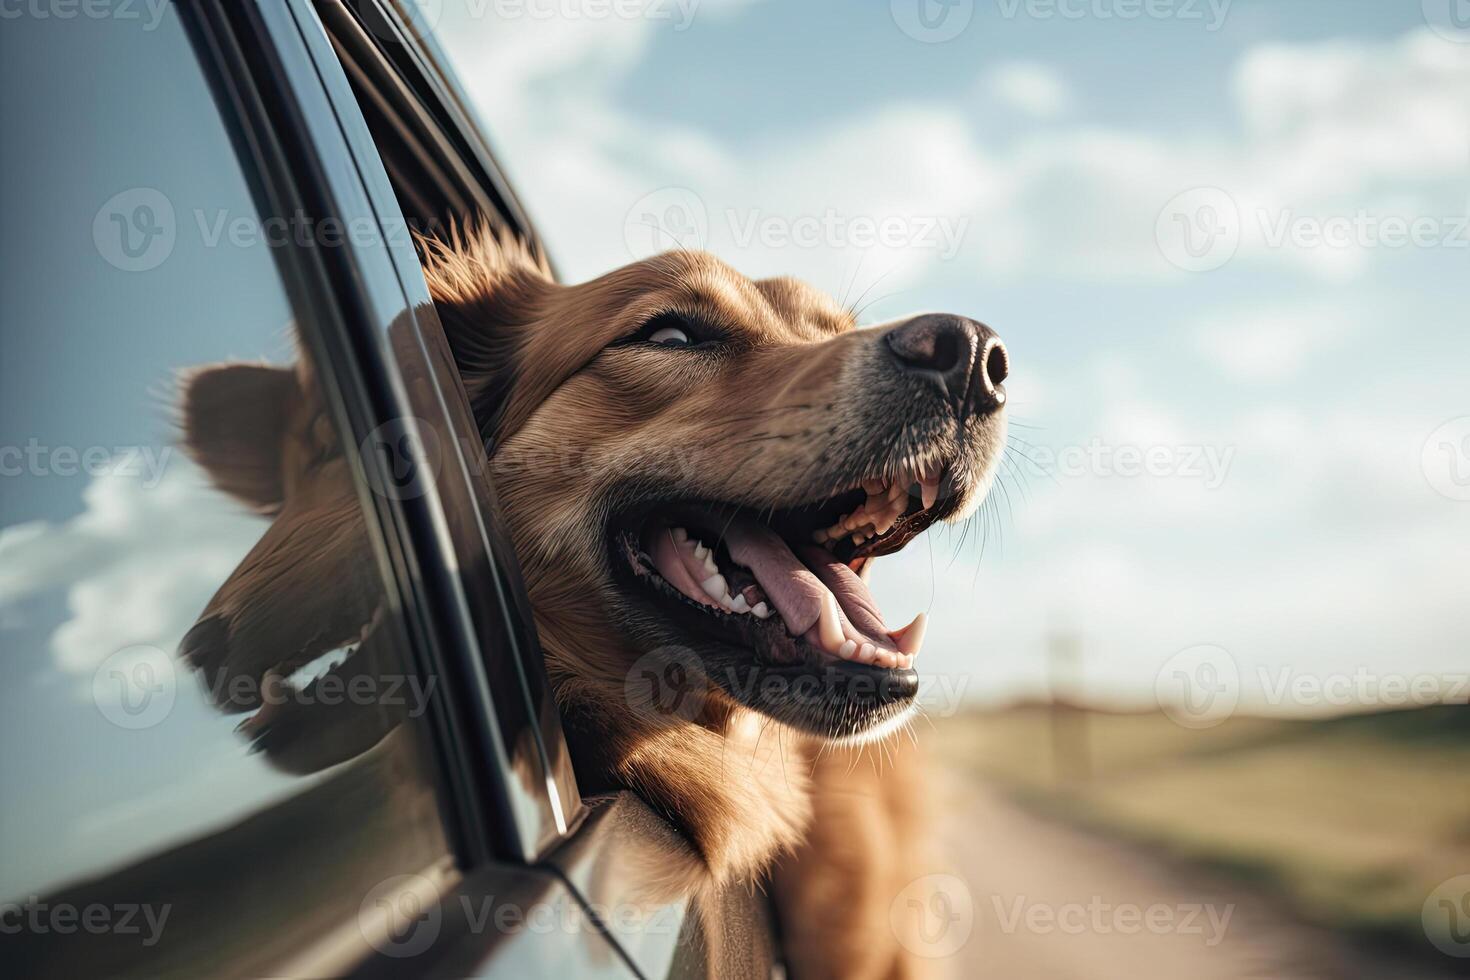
(963, 357)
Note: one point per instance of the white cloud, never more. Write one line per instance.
(1325, 131)
(138, 563)
(1032, 88)
(1270, 345)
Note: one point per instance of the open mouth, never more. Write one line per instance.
(788, 583)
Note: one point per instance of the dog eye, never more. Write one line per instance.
(669, 337)
(671, 329)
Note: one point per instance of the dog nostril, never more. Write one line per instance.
(945, 354)
(997, 363)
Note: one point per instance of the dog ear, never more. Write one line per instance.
(487, 287)
(234, 420)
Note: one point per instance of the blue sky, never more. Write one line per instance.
(1064, 151)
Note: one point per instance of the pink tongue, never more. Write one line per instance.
(797, 590)
(852, 594)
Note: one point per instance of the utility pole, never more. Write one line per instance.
(1070, 749)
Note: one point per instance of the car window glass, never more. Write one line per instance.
(205, 703)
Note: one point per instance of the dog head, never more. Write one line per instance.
(699, 468)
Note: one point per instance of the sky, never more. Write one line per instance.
(1225, 244)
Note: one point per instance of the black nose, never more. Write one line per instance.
(964, 357)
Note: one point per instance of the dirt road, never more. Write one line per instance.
(1046, 900)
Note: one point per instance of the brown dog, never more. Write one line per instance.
(697, 470)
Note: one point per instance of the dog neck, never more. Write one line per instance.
(734, 783)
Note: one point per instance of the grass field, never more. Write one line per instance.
(1351, 821)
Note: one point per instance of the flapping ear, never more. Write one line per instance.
(488, 287)
(234, 420)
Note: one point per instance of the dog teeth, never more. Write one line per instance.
(761, 610)
(716, 588)
(829, 624)
(887, 499)
(709, 564)
(740, 605)
(911, 637)
(929, 492)
(700, 550)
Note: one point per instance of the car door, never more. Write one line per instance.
(252, 719)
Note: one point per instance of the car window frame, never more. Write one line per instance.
(418, 68)
(269, 61)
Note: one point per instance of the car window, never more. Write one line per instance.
(211, 728)
(433, 175)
